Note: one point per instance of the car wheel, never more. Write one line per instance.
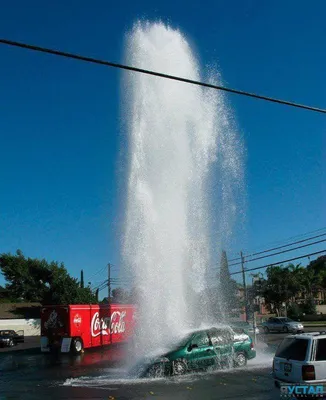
(77, 346)
(156, 371)
(240, 360)
(11, 343)
(179, 367)
(285, 329)
(266, 330)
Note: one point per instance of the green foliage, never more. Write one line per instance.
(37, 280)
(294, 311)
(309, 306)
(284, 284)
(228, 287)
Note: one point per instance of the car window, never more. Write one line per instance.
(221, 336)
(200, 339)
(292, 348)
(239, 331)
(321, 350)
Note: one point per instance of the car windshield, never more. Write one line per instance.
(293, 348)
(184, 341)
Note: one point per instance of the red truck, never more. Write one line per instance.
(73, 328)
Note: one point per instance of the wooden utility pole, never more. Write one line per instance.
(244, 285)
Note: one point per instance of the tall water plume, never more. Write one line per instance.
(179, 135)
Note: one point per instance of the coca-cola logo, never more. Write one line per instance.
(77, 319)
(105, 326)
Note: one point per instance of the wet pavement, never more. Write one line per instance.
(102, 374)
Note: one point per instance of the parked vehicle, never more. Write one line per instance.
(73, 328)
(282, 324)
(200, 350)
(10, 338)
(301, 359)
(246, 326)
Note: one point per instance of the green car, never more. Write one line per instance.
(214, 348)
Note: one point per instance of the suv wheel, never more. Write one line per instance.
(240, 360)
(266, 330)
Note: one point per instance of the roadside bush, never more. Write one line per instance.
(294, 311)
(309, 306)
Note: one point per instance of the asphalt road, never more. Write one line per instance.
(99, 374)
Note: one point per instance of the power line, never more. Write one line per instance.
(284, 251)
(158, 74)
(279, 262)
(285, 245)
(96, 273)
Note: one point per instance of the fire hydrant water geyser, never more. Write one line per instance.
(181, 139)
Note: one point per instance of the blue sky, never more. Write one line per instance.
(60, 172)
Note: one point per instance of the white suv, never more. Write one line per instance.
(301, 359)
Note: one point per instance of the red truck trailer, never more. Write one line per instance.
(73, 328)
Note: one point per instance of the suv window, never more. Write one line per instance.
(321, 350)
(292, 348)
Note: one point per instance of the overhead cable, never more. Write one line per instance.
(158, 74)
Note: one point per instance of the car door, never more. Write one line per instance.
(279, 325)
(320, 359)
(222, 342)
(201, 353)
(19, 336)
(272, 324)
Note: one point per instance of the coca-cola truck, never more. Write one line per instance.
(73, 328)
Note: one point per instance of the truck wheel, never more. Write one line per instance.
(77, 346)
(240, 360)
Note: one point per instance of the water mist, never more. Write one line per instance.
(178, 135)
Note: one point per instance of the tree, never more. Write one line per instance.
(120, 295)
(279, 287)
(37, 280)
(228, 287)
(81, 278)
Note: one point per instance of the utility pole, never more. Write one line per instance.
(244, 285)
(109, 283)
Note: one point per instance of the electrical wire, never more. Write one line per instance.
(285, 251)
(279, 262)
(96, 273)
(158, 74)
(281, 252)
(286, 245)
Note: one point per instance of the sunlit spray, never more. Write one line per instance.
(178, 135)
